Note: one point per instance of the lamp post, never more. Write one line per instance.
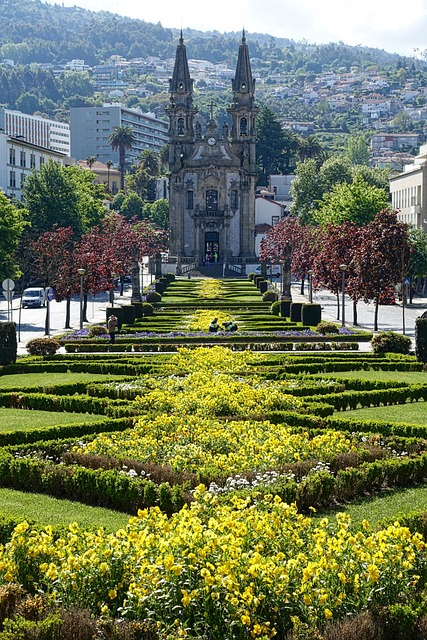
(82, 273)
(343, 268)
(113, 279)
(310, 285)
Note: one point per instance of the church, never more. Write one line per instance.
(212, 172)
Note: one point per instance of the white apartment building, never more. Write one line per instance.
(91, 127)
(42, 132)
(409, 192)
(18, 158)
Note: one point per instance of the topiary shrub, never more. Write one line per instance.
(147, 309)
(8, 343)
(326, 327)
(269, 296)
(153, 297)
(421, 338)
(251, 275)
(311, 314)
(391, 342)
(275, 308)
(97, 330)
(170, 276)
(295, 312)
(42, 346)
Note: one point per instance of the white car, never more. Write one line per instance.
(273, 271)
(35, 297)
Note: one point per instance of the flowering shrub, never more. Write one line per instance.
(97, 330)
(42, 346)
(213, 567)
(202, 318)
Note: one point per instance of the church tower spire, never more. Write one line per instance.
(243, 82)
(181, 83)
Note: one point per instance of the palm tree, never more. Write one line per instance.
(310, 147)
(109, 164)
(90, 160)
(122, 139)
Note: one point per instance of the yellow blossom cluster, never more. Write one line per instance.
(214, 359)
(202, 318)
(205, 446)
(212, 567)
(210, 288)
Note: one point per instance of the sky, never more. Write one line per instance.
(392, 25)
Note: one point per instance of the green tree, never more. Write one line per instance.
(157, 212)
(270, 144)
(12, 224)
(63, 196)
(310, 148)
(122, 139)
(306, 191)
(357, 151)
(357, 202)
(131, 206)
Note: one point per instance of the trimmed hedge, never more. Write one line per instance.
(8, 343)
(421, 339)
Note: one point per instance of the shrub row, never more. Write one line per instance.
(50, 402)
(382, 427)
(77, 366)
(326, 366)
(54, 432)
(354, 399)
(110, 489)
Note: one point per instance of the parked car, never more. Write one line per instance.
(273, 270)
(34, 297)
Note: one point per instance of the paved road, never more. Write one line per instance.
(31, 323)
(390, 317)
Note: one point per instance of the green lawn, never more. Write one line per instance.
(45, 510)
(415, 413)
(23, 419)
(385, 506)
(50, 378)
(411, 377)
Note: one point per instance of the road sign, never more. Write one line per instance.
(8, 284)
(50, 294)
(407, 281)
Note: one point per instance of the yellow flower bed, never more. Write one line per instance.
(231, 571)
(211, 447)
(202, 318)
(213, 359)
(209, 288)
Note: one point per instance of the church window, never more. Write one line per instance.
(234, 200)
(274, 220)
(181, 126)
(243, 126)
(190, 199)
(211, 201)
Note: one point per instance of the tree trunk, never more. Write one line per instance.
(85, 308)
(354, 313)
(122, 284)
(302, 285)
(338, 305)
(68, 313)
(376, 314)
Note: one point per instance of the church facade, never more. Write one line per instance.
(212, 173)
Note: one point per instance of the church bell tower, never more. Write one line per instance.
(212, 173)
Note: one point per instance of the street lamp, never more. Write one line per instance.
(82, 273)
(343, 268)
(310, 285)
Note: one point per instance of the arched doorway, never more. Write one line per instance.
(212, 246)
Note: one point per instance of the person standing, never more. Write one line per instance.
(112, 327)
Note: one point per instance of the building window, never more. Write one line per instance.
(12, 159)
(274, 220)
(181, 126)
(234, 200)
(190, 199)
(12, 179)
(114, 187)
(22, 159)
(23, 176)
(32, 161)
(243, 126)
(211, 201)
(41, 161)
